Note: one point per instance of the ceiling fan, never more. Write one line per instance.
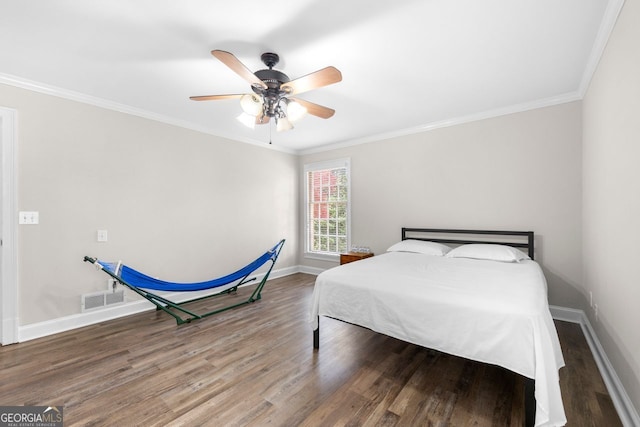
(272, 90)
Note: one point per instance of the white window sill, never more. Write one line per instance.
(323, 257)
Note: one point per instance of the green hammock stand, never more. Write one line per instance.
(140, 283)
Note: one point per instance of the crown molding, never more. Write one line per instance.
(34, 86)
(614, 7)
(512, 109)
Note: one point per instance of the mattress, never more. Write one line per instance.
(488, 311)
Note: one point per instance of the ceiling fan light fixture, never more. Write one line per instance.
(283, 124)
(251, 104)
(271, 90)
(247, 119)
(295, 111)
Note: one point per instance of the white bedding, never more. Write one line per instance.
(488, 311)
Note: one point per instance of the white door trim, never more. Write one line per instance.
(9, 258)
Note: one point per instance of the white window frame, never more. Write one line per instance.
(328, 164)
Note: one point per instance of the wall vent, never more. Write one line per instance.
(101, 299)
(114, 297)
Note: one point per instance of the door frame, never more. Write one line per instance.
(9, 219)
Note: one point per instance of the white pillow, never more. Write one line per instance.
(487, 251)
(420, 246)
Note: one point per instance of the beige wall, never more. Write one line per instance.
(177, 204)
(611, 203)
(518, 172)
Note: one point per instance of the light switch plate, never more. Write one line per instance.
(102, 235)
(28, 217)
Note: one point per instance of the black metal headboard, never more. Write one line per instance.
(517, 239)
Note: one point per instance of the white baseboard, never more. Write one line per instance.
(9, 330)
(626, 411)
(74, 321)
(311, 270)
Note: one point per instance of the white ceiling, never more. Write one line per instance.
(406, 65)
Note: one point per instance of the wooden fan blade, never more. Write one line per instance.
(238, 67)
(315, 109)
(320, 78)
(214, 97)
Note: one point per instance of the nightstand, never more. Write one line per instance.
(354, 256)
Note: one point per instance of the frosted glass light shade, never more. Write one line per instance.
(251, 104)
(295, 111)
(283, 124)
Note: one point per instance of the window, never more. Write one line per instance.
(327, 207)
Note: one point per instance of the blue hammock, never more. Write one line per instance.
(140, 282)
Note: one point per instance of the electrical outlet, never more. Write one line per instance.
(590, 299)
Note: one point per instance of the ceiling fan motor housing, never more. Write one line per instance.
(273, 79)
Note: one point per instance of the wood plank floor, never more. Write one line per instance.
(255, 366)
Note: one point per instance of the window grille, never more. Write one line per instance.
(327, 207)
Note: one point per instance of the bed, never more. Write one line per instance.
(484, 300)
